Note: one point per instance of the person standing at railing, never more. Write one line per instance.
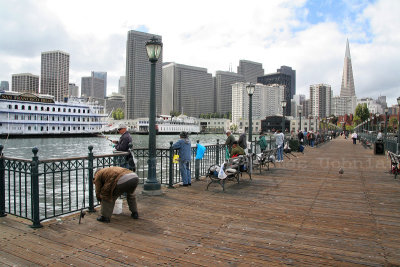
(184, 147)
(123, 145)
(229, 141)
(262, 142)
(242, 142)
(111, 183)
(279, 140)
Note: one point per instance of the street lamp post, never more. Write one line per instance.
(300, 120)
(250, 91)
(386, 120)
(398, 127)
(151, 185)
(283, 103)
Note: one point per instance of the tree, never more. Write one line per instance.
(393, 122)
(362, 112)
(118, 114)
(356, 120)
(233, 127)
(334, 119)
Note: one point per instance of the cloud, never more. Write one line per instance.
(213, 35)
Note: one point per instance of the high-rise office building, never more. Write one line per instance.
(250, 70)
(122, 85)
(298, 104)
(266, 101)
(138, 76)
(54, 78)
(95, 85)
(347, 89)
(223, 90)
(73, 90)
(292, 73)
(186, 89)
(280, 79)
(25, 82)
(4, 86)
(320, 97)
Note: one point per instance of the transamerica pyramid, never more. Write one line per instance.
(347, 89)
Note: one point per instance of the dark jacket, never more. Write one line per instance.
(229, 142)
(242, 141)
(123, 142)
(106, 180)
(184, 147)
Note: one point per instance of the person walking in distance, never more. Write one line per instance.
(279, 140)
(112, 182)
(354, 137)
(184, 147)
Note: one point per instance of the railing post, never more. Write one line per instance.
(217, 151)
(2, 185)
(270, 141)
(197, 166)
(255, 145)
(171, 165)
(90, 179)
(35, 189)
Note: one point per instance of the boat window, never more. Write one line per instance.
(16, 106)
(16, 117)
(48, 109)
(53, 128)
(73, 128)
(79, 119)
(88, 111)
(69, 128)
(29, 128)
(59, 109)
(54, 109)
(29, 107)
(79, 110)
(41, 128)
(63, 118)
(69, 110)
(69, 118)
(83, 111)
(74, 110)
(23, 107)
(41, 108)
(73, 118)
(83, 127)
(79, 127)
(64, 109)
(52, 118)
(9, 106)
(64, 128)
(35, 107)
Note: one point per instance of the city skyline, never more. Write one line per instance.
(309, 36)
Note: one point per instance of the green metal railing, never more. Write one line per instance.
(38, 190)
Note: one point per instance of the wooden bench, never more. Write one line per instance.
(264, 159)
(231, 170)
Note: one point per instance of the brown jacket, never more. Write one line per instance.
(106, 180)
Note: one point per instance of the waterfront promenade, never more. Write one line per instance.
(301, 212)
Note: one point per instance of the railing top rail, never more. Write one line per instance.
(61, 159)
(17, 159)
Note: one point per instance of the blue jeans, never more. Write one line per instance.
(279, 153)
(312, 143)
(184, 168)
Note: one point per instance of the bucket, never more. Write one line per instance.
(118, 206)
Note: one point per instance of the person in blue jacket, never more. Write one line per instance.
(184, 147)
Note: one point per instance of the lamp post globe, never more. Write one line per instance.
(151, 185)
(283, 103)
(250, 91)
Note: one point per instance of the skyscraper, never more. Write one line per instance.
(138, 76)
(25, 82)
(280, 79)
(223, 90)
(73, 90)
(121, 85)
(292, 73)
(54, 77)
(320, 97)
(95, 85)
(347, 88)
(4, 85)
(250, 70)
(188, 89)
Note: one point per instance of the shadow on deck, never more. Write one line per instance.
(303, 212)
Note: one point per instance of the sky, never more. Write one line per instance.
(309, 36)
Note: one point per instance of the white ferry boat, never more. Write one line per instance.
(28, 114)
(166, 124)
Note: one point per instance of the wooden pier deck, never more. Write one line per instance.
(301, 212)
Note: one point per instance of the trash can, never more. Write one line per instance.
(379, 148)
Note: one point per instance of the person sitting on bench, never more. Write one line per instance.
(236, 150)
